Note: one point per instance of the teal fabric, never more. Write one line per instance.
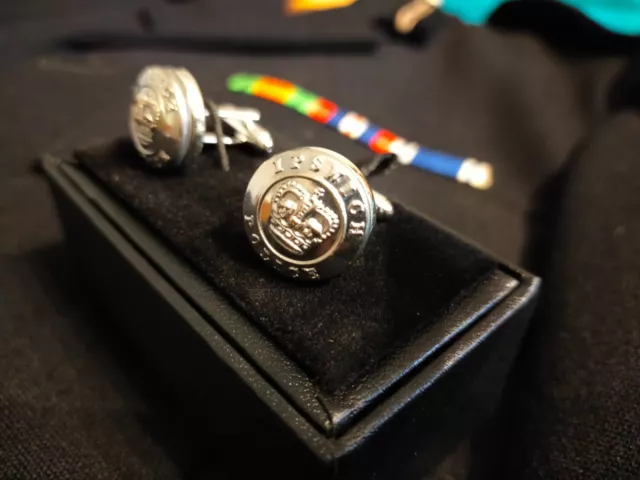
(474, 12)
(619, 16)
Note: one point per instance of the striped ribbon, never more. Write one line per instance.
(465, 170)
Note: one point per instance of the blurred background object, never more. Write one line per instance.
(293, 7)
(621, 16)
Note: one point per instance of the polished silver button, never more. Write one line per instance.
(170, 121)
(310, 212)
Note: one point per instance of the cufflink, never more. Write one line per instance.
(170, 121)
(309, 212)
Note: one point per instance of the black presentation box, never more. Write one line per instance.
(375, 374)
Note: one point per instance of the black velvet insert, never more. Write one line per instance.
(410, 274)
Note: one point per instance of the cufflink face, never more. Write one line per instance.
(167, 118)
(308, 212)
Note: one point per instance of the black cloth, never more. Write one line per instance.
(549, 103)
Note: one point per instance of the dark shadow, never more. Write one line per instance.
(99, 41)
(624, 93)
(543, 221)
(562, 27)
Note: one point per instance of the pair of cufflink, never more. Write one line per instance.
(308, 212)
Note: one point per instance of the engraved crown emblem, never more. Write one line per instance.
(299, 218)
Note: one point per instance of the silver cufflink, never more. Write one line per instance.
(170, 120)
(310, 212)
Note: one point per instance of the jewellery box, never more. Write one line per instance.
(376, 373)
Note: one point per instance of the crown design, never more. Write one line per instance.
(145, 116)
(299, 218)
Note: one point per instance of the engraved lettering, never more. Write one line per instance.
(265, 255)
(347, 189)
(249, 220)
(294, 271)
(295, 163)
(342, 183)
(255, 239)
(278, 164)
(311, 273)
(356, 207)
(356, 228)
(336, 179)
(316, 163)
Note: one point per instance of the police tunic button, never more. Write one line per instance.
(167, 118)
(309, 212)
(170, 121)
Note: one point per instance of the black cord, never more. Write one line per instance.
(217, 125)
(381, 163)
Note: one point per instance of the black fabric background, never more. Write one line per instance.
(543, 95)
